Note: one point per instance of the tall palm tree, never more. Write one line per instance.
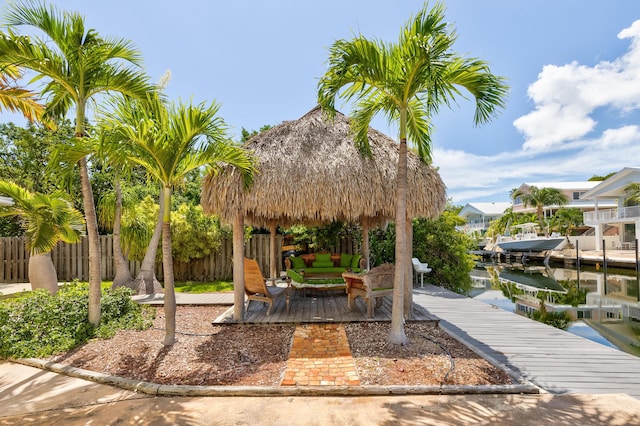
(540, 198)
(15, 98)
(76, 64)
(170, 142)
(47, 219)
(407, 82)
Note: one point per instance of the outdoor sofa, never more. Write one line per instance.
(322, 271)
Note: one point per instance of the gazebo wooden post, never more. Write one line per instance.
(365, 242)
(238, 267)
(273, 266)
(408, 278)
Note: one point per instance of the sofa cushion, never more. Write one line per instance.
(355, 262)
(345, 260)
(322, 264)
(297, 262)
(323, 257)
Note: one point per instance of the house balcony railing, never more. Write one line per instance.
(611, 215)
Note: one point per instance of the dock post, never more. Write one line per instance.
(637, 269)
(578, 263)
(604, 264)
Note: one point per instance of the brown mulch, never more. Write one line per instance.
(256, 355)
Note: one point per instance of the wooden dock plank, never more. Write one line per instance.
(555, 360)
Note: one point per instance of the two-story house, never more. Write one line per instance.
(574, 192)
(480, 215)
(625, 218)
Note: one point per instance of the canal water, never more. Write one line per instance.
(603, 306)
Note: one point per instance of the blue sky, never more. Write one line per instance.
(573, 67)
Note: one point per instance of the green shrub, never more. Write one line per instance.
(41, 324)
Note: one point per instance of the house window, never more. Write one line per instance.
(577, 195)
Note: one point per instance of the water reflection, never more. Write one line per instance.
(589, 303)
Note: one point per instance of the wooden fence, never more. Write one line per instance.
(72, 260)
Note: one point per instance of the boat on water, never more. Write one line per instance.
(528, 240)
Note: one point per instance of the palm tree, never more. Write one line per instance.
(632, 191)
(407, 82)
(539, 198)
(170, 142)
(47, 219)
(77, 65)
(15, 98)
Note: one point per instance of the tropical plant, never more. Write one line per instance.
(407, 82)
(170, 141)
(632, 191)
(15, 98)
(47, 219)
(539, 198)
(565, 220)
(76, 64)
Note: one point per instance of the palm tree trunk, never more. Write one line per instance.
(365, 243)
(238, 268)
(123, 273)
(396, 333)
(146, 281)
(95, 276)
(167, 268)
(408, 274)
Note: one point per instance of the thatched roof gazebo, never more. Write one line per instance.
(310, 172)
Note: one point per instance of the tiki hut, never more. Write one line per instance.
(310, 172)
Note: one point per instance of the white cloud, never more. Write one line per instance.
(471, 177)
(566, 96)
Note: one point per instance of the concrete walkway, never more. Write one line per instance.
(32, 396)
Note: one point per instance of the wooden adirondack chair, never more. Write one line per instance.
(255, 286)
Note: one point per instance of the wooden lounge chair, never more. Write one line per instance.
(255, 286)
(371, 286)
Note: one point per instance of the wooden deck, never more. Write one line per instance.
(555, 360)
(323, 306)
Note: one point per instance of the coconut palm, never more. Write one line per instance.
(170, 142)
(539, 198)
(77, 65)
(47, 219)
(407, 82)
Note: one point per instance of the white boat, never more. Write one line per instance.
(528, 240)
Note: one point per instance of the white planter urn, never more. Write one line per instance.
(42, 273)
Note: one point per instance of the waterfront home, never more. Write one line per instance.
(574, 192)
(480, 215)
(625, 218)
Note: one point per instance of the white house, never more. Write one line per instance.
(480, 215)
(5, 201)
(573, 191)
(626, 219)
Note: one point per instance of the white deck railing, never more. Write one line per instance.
(632, 212)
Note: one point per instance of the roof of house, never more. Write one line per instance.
(484, 208)
(614, 186)
(564, 185)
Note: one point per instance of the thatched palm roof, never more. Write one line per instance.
(310, 172)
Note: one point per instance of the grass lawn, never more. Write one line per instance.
(203, 287)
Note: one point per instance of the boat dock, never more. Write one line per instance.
(555, 360)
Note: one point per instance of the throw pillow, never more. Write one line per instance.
(345, 260)
(355, 262)
(321, 264)
(297, 262)
(323, 257)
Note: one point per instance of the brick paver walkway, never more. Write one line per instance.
(320, 356)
